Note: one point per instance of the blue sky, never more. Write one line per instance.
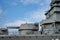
(16, 12)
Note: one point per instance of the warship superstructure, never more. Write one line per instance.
(50, 27)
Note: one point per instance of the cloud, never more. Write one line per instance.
(35, 14)
(38, 14)
(11, 2)
(16, 23)
(29, 1)
(1, 10)
(14, 4)
(41, 2)
(47, 1)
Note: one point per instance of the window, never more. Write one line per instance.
(59, 30)
(57, 2)
(36, 24)
(55, 39)
(4, 30)
(56, 32)
(52, 39)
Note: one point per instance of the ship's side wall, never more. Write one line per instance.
(30, 38)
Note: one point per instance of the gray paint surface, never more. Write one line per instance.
(29, 37)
